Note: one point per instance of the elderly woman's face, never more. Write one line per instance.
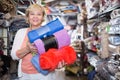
(35, 17)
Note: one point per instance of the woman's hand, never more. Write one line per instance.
(29, 48)
(61, 64)
(32, 47)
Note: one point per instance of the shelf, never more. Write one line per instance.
(63, 14)
(108, 11)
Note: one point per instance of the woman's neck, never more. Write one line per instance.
(34, 27)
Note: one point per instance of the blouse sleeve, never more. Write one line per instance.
(19, 37)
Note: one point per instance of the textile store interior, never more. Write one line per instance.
(94, 29)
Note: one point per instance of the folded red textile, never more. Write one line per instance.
(48, 60)
(52, 57)
(70, 55)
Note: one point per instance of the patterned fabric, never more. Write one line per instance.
(18, 24)
(6, 6)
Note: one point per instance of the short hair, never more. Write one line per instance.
(32, 7)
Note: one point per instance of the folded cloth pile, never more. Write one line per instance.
(50, 59)
(57, 40)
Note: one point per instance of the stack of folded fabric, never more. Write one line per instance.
(52, 43)
(57, 40)
(114, 28)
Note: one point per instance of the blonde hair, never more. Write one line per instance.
(31, 8)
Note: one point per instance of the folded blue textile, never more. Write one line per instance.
(46, 30)
(35, 62)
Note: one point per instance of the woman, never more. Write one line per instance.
(22, 49)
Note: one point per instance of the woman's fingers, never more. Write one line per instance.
(61, 64)
(32, 47)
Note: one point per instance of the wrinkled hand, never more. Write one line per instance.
(61, 64)
(32, 47)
